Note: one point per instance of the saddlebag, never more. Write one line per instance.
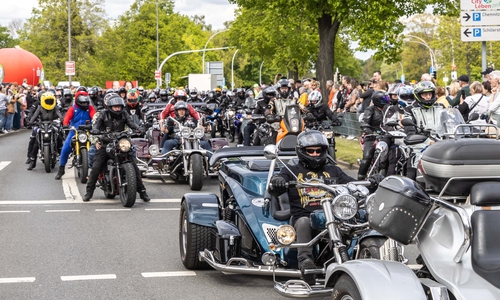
(399, 209)
(218, 143)
(466, 158)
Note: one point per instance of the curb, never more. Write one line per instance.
(346, 165)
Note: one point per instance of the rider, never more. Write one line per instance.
(370, 124)
(95, 98)
(67, 98)
(180, 109)
(393, 111)
(78, 114)
(262, 108)
(193, 96)
(133, 107)
(122, 91)
(313, 166)
(163, 96)
(319, 111)
(250, 101)
(112, 119)
(48, 111)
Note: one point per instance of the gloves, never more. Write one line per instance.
(95, 132)
(278, 184)
(374, 181)
(367, 130)
(271, 119)
(337, 123)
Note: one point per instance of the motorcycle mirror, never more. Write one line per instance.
(270, 151)
(408, 122)
(473, 117)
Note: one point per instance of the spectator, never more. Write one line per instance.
(304, 95)
(475, 103)
(441, 96)
(486, 73)
(494, 103)
(367, 97)
(3, 108)
(464, 92)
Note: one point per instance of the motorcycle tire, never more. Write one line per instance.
(370, 247)
(213, 130)
(47, 158)
(128, 189)
(193, 238)
(345, 289)
(240, 138)
(83, 162)
(231, 138)
(195, 177)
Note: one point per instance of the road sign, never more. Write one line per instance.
(70, 68)
(479, 4)
(157, 74)
(480, 34)
(480, 18)
(167, 78)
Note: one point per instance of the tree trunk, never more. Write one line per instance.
(327, 29)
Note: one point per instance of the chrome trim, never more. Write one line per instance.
(434, 290)
(303, 245)
(300, 289)
(464, 178)
(238, 265)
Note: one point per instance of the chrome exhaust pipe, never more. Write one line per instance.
(245, 267)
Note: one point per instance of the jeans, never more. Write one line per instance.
(172, 143)
(9, 122)
(66, 149)
(2, 118)
(92, 152)
(247, 132)
(304, 235)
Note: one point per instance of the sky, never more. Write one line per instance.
(216, 12)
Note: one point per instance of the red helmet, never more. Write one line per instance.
(180, 94)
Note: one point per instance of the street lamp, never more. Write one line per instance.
(422, 42)
(232, 69)
(206, 44)
(157, 46)
(260, 73)
(69, 37)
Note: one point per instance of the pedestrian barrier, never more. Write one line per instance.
(350, 125)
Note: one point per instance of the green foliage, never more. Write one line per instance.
(6, 40)
(348, 150)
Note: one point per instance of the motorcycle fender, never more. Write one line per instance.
(203, 209)
(377, 279)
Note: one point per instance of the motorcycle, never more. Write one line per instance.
(228, 121)
(47, 135)
(80, 144)
(188, 161)
(119, 177)
(240, 122)
(457, 243)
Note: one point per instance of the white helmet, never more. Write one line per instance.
(314, 98)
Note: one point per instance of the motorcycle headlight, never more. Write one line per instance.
(185, 132)
(370, 202)
(345, 207)
(124, 145)
(230, 113)
(82, 138)
(154, 150)
(295, 125)
(285, 234)
(199, 132)
(328, 134)
(46, 135)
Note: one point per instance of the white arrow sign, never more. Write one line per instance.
(480, 34)
(479, 4)
(480, 18)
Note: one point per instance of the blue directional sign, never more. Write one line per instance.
(480, 34)
(480, 18)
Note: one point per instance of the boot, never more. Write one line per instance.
(88, 195)
(144, 196)
(28, 161)
(32, 164)
(361, 177)
(60, 173)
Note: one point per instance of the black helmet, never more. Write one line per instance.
(81, 89)
(164, 95)
(67, 95)
(240, 93)
(269, 93)
(93, 92)
(122, 90)
(380, 99)
(152, 97)
(284, 83)
(114, 100)
(249, 93)
(83, 102)
(425, 87)
(211, 95)
(180, 105)
(311, 138)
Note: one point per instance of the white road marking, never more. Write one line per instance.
(62, 210)
(162, 209)
(70, 187)
(17, 279)
(44, 202)
(114, 209)
(3, 164)
(88, 277)
(14, 211)
(168, 274)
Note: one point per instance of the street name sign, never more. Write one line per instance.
(479, 18)
(480, 34)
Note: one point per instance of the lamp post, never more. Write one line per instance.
(206, 44)
(157, 45)
(69, 37)
(422, 42)
(232, 69)
(260, 73)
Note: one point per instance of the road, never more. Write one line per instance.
(55, 246)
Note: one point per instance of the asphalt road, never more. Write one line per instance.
(55, 246)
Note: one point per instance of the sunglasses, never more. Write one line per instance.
(311, 151)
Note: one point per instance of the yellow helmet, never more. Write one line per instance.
(48, 101)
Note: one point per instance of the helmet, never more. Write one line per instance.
(211, 95)
(48, 101)
(163, 95)
(240, 93)
(152, 97)
(132, 97)
(59, 88)
(93, 92)
(218, 92)
(99, 90)
(405, 94)
(284, 83)
(180, 105)
(315, 98)
(156, 91)
(224, 91)
(269, 93)
(193, 93)
(171, 91)
(115, 100)
(425, 87)
(67, 95)
(83, 101)
(311, 138)
(230, 95)
(58, 95)
(394, 88)
(180, 95)
(380, 99)
(249, 93)
(122, 90)
(81, 89)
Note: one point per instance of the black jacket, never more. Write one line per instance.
(46, 115)
(372, 118)
(107, 123)
(323, 112)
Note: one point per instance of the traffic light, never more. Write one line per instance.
(338, 77)
(434, 75)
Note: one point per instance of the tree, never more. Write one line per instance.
(6, 40)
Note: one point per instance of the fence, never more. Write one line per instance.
(350, 125)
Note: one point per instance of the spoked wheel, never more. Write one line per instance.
(128, 189)
(346, 289)
(196, 174)
(193, 238)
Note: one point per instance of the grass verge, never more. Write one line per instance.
(348, 150)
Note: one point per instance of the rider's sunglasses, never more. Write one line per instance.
(311, 151)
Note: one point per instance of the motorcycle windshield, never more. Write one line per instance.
(449, 119)
(428, 119)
